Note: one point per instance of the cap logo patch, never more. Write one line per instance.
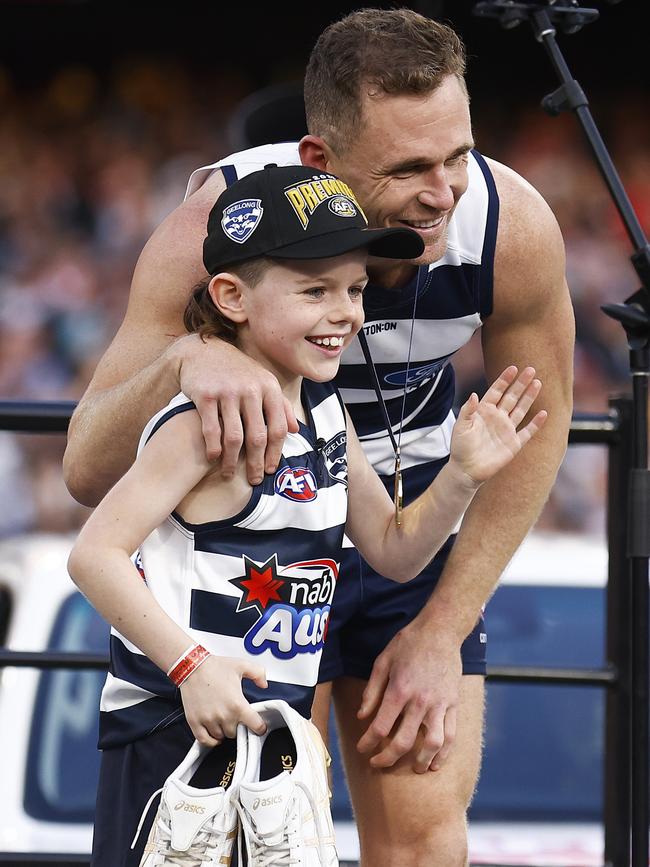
(305, 196)
(240, 219)
(342, 207)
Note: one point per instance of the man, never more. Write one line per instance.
(388, 112)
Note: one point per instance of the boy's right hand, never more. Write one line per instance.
(487, 435)
(240, 403)
(213, 700)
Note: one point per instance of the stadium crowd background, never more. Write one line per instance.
(96, 147)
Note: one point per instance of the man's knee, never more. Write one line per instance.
(440, 842)
(419, 819)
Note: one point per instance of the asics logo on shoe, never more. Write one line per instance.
(188, 807)
(267, 802)
(287, 763)
(227, 775)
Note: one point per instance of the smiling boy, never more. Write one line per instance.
(244, 575)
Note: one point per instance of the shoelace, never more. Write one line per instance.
(264, 854)
(260, 852)
(192, 857)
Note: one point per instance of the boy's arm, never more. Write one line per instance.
(147, 363)
(399, 553)
(485, 439)
(171, 464)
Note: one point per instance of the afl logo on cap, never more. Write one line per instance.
(240, 219)
(342, 207)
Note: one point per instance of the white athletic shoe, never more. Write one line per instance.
(283, 798)
(196, 822)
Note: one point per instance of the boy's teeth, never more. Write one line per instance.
(327, 341)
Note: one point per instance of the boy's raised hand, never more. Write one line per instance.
(485, 436)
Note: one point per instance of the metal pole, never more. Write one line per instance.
(639, 525)
(618, 707)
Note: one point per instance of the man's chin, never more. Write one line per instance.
(432, 253)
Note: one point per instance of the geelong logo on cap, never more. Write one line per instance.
(306, 196)
(240, 219)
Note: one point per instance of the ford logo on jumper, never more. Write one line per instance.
(415, 374)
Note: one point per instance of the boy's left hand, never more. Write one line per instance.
(485, 436)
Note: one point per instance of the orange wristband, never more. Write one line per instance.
(187, 663)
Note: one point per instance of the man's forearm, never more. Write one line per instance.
(106, 427)
(501, 514)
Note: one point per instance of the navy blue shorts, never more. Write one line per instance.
(128, 776)
(368, 610)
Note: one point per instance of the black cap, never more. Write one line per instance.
(295, 212)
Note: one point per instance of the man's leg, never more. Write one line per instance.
(320, 711)
(407, 819)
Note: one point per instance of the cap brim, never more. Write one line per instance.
(387, 243)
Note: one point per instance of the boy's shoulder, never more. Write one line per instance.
(180, 403)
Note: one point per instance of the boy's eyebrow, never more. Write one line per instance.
(306, 280)
(419, 162)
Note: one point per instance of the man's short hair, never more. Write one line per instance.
(392, 51)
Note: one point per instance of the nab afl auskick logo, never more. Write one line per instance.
(296, 483)
(292, 603)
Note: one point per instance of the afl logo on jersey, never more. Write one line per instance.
(240, 219)
(336, 458)
(296, 483)
(342, 207)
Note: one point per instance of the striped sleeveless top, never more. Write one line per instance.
(257, 586)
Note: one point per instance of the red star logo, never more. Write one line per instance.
(260, 585)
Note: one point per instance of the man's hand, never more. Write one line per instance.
(240, 404)
(414, 684)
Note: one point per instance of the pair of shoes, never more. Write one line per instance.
(283, 798)
(273, 788)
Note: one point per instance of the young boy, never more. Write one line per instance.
(238, 580)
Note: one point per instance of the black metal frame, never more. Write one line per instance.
(614, 430)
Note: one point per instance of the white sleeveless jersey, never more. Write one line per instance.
(258, 586)
(454, 298)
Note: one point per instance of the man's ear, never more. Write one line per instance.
(226, 291)
(314, 152)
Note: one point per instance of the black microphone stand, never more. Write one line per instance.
(634, 316)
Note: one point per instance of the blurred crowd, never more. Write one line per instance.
(88, 168)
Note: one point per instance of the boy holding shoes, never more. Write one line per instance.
(239, 579)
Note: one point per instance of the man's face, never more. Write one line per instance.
(408, 165)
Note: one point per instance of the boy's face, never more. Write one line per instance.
(303, 314)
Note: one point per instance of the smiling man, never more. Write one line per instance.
(388, 112)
